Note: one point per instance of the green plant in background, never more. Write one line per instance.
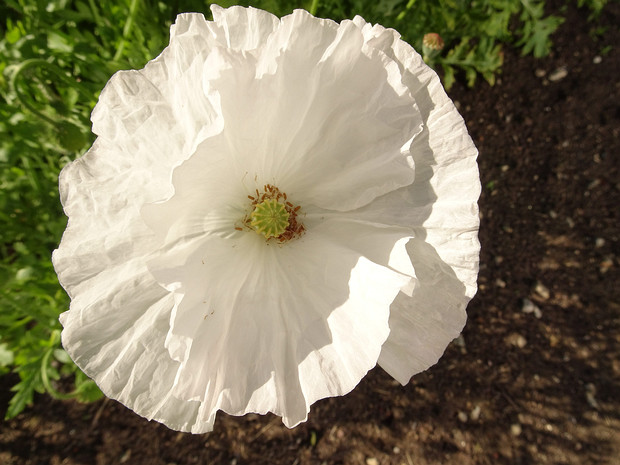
(54, 59)
(56, 56)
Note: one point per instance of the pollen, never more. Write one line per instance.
(273, 216)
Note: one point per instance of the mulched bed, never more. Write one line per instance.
(535, 378)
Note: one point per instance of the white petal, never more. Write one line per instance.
(241, 28)
(158, 115)
(275, 328)
(116, 338)
(441, 208)
(423, 324)
(210, 196)
(318, 111)
(119, 315)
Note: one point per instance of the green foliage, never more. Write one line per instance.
(473, 30)
(595, 6)
(536, 29)
(57, 55)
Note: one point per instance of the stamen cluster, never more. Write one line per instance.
(295, 228)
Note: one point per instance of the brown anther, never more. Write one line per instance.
(270, 192)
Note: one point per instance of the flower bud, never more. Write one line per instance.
(432, 44)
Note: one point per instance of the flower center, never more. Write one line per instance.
(273, 216)
(269, 218)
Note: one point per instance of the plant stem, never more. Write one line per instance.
(41, 63)
(313, 7)
(95, 12)
(133, 7)
(408, 7)
(44, 362)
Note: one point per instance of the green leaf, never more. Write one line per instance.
(448, 76)
(24, 393)
(59, 42)
(71, 136)
(62, 356)
(13, 34)
(88, 391)
(6, 355)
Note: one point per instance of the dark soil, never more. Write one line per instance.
(518, 388)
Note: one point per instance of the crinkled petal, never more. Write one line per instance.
(119, 314)
(242, 29)
(440, 207)
(101, 259)
(274, 328)
(318, 112)
(156, 116)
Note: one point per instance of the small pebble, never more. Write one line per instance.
(500, 283)
(372, 461)
(126, 456)
(459, 438)
(558, 74)
(606, 264)
(516, 340)
(475, 413)
(599, 242)
(463, 417)
(531, 307)
(590, 393)
(515, 429)
(540, 72)
(542, 290)
(597, 60)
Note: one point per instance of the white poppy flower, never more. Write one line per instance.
(271, 208)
